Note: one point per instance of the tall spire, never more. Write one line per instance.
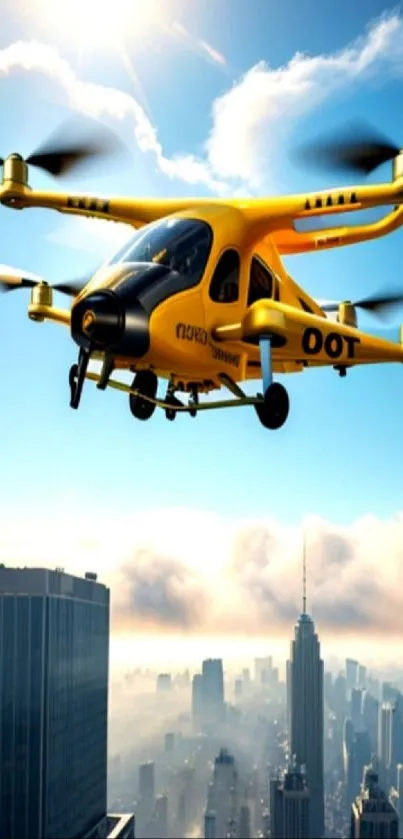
(303, 573)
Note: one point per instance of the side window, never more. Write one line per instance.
(261, 283)
(224, 286)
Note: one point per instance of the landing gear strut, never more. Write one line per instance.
(193, 402)
(173, 400)
(146, 383)
(77, 377)
(274, 409)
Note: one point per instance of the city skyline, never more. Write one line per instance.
(207, 749)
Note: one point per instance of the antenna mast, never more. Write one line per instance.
(303, 573)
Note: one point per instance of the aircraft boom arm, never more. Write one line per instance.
(290, 241)
(263, 215)
(133, 211)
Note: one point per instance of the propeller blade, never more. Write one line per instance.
(381, 305)
(71, 287)
(357, 148)
(58, 156)
(13, 278)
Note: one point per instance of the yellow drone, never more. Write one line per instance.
(199, 296)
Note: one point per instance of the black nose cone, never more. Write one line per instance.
(101, 319)
(105, 322)
(97, 320)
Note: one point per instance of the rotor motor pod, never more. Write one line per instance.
(41, 295)
(398, 167)
(15, 172)
(347, 315)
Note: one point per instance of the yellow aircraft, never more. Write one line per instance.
(199, 296)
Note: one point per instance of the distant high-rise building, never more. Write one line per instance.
(340, 694)
(238, 687)
(169, 741)
(359, 756)
(374, 687)
(307, 714)
(370, 717)
(164, 682)
(147, 781)
(160, 820)
(399, 786)
(213, 688)
(263, 667)
(223, 794)
(289, 806)
(210, 826)
(197, 698)
(356, 703)
(385, 740)
(352, 668)
(372, 814)
(244, 831)
(145, 804)
(54, 650)
(362, 676)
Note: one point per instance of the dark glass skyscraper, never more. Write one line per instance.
(289, 806)
(372, 814)
(305, 691)
(213, 688)
(54, 650)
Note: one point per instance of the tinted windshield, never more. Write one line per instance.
(183, 245)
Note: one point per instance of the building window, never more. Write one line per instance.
(224, 286)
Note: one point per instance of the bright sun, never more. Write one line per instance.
(95, 24)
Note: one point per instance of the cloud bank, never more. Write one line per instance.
(200, 573)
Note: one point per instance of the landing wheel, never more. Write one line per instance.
(274, 410)
(146, 382)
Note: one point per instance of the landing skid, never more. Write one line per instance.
(240, 401)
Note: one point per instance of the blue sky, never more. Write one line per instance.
(339, 455)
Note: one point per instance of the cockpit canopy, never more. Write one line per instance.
(183, 245)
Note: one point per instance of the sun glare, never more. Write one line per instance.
(91, 25)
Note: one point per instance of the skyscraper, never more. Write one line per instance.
(305, 673)
(385, 742)
(146, 799)
(352, 670)
(213, 688)
(223, 797)
(147, 781)
(289, 806)
(197, 698)
(372, 814)
(54, 648)
(400, 798)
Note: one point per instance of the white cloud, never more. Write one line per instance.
(239, 577)
(100, 101)
(248, 120)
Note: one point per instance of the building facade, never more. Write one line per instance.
(54, 650)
